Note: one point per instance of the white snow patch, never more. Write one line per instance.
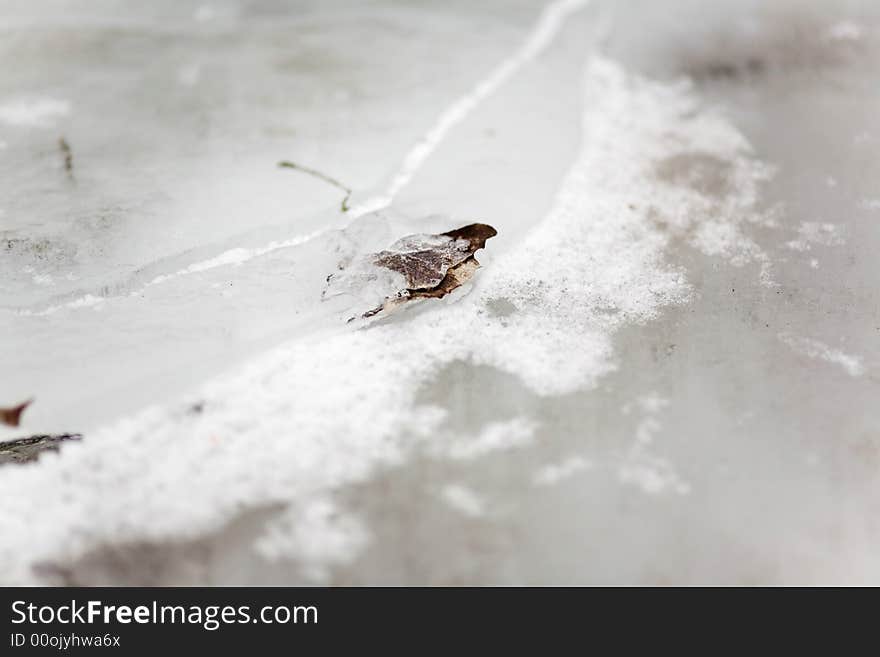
(640, 466)
(810, 348)
(464, 500)
(317, 535)
(813, 232)
(710, 181)
(189, 75)
(33, 112)
(845, 31)
(85, 301)
(554, 473)
(496, 436)
(652, 403)
(652, 476)
(205, 13)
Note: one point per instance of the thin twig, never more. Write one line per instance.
(67, 153)
(317, 174)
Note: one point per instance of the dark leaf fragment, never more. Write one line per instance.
(12, 416)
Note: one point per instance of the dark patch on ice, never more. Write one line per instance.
(67, 156)
(744, 44)
(196, 408)
(715, 70)
(607, 310)
(500, 307)
(43, 249)
(703, 172)
(419, 539)
(785, 42)
(461, 385)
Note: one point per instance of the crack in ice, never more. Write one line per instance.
(546, 28)
(551, 20)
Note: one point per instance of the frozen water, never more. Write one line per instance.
(172, 179)
(649, 380)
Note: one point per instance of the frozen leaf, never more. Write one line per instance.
(432, 265)
(424, 259)
(12, 416)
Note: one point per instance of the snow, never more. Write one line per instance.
(591, 266)
(171, 299)
(811, 348)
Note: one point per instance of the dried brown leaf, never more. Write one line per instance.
(432, 265)
(424, 259)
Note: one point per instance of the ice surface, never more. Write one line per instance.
(647, 381)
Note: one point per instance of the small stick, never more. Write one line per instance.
(68, 156)
(317, 174)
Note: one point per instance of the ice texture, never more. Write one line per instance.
(648, 381)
